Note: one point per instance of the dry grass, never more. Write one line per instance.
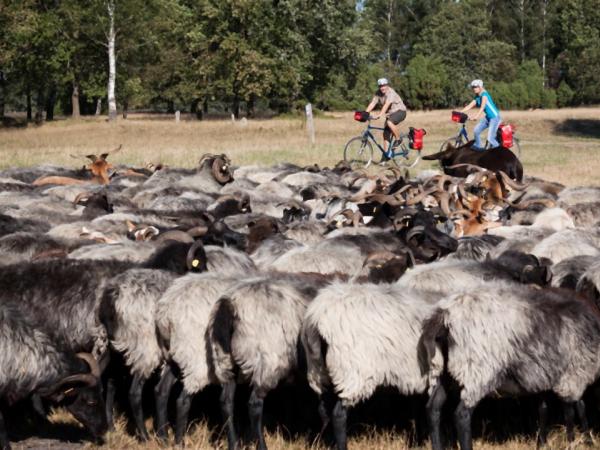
(555, 155)
(201, 438)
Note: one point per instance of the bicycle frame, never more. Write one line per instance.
(368, 135)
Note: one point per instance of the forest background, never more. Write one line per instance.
(270, 57)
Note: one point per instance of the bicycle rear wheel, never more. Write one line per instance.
(406, 157)
(358, 152)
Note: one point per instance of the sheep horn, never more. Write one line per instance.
(220, 170)
(190, 260)
(415, 231)
(444, 202)
(470, 167)
(198, 231)
(81, 196)
(419, 197)
(91, 361)
(512, 183)
(411, 257)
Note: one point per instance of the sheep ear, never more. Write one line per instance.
(130, 225)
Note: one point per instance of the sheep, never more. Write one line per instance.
(589, 282)
(566, 244)
(33, 363)
(475, 247)
(182, 315)
(585, 214)
(452, 275)
(129, 309)
(500, 343)
(254, 330)
(25, 246)
(573, 195)
(359, 337)
(567, 273)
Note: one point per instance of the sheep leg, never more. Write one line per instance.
(434, 414)
(462, 421)
(255, 411)
(38, 406)
(161, 399)
(184, 403)
(110, 403)
(543, 423)
(569, 411)
(339, 418)
(324, 413)
(135, 402)
(585, 427)
(227, 399)
(4, 442)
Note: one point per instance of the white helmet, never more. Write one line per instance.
(382, 82)
(476, 83)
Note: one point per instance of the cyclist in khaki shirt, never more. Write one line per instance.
(392, 106)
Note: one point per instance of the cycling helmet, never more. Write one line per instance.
(476, 83)
(382, 82)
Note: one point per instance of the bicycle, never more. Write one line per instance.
(463, 136)
(358, 151)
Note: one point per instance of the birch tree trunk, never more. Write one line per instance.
(544, 10)
(75, 101)
(112, 63)
(389, 32)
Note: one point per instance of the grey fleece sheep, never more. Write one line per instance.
(253, 334)
(359, 337)
(589, 283)
(182, 316)
(499, 342)
(567, 273)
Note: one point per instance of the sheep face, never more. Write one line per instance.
(87, 406)
(389, 270)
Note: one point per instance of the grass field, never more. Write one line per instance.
(559, 145)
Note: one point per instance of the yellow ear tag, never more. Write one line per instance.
(195, 263)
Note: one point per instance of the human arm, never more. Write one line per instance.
(372, 105)
(468, 107)
(385, 108)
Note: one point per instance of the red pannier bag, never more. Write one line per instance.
(459, 117)
(416, 138)
(361, 116)
(505, 135)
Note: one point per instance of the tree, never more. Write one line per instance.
(427, 81)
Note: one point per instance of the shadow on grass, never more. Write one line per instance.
(579, 127)
(12, 122)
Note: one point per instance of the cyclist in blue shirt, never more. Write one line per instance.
(491, 121)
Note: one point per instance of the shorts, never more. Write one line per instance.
(395, 118)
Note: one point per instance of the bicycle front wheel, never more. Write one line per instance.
(516, 148)
(454, 141)
(406, 157)
(358, 152)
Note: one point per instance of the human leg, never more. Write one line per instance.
(493, 131)
(482, 125)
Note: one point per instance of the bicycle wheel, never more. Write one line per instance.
(406, 157)
(455, 141)
(516, 148)
(358, 152)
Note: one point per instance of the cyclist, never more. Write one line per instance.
(492, 119)
(394, 109)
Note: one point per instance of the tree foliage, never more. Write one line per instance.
(244, 55)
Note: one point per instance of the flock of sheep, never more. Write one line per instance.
(456, 288)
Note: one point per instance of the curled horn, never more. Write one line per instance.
(190, 258)
(470, 167)
(444, 202)
(91, 361)
(419, 197)
(220, 170)
(415, 231)
(81, 196)
(89, 379)
(512, 183)
(411, 257)
(198, 231)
